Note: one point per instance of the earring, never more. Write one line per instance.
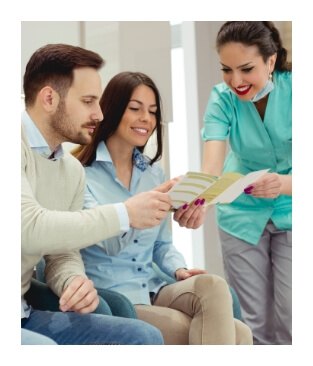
(270, 77)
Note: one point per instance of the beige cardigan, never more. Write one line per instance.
(53, 222)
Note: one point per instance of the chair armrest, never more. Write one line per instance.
(236, 304)
(40, 297)
(119, 304)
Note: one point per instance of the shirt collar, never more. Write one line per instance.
(139, 160)
(36, 141)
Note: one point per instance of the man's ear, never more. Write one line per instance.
(49, 99)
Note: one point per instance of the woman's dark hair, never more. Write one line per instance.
(264, 35)
(113, 103)
(54, 64)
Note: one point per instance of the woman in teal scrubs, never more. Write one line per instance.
(252, 110)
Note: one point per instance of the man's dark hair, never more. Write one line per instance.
(53, 65)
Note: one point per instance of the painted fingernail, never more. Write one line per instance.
(248, 189)
(202, 201)
(185, 206)
(197, 202)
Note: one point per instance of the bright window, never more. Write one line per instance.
(178, 148)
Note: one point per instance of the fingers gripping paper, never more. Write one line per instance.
(223, 189)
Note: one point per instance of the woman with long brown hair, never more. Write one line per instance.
(197, 309)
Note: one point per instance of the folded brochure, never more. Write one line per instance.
(223, 189)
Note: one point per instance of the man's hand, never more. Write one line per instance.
(147, 209)
(166, 186)
(183, 273)
(191, 217)
(80, 296)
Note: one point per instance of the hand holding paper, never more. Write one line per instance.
(224, 189)
(268, 186)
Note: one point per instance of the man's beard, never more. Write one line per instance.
(65, 128)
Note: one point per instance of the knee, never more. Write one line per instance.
(212, 286)
(243, 333)
(148, 334)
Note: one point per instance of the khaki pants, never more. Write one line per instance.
(197, 310)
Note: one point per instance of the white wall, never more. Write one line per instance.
(37, 34)
(125, 46)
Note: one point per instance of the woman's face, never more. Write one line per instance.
(139, 119)
(244, 69)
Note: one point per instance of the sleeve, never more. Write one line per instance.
(47, 231)
(90, 202)
(165, 255)
(114, 245)
(217, 116)
(61, 268)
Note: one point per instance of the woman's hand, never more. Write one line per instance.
(191, 216)
(268, 186)
(183, 273)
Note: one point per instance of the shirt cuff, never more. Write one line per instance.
(122, 215)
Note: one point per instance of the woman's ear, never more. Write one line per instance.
(49, 99)
(272, 61)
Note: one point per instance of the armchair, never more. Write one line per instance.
(41, 297)
(111, 303)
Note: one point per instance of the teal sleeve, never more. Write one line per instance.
(217, 116)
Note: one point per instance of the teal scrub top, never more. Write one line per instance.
(254, 145)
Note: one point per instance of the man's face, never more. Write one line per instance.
(79, 112)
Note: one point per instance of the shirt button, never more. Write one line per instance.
(134, 259)
(139, 269)
(144, 285)
(135, 241)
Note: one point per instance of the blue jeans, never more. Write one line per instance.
(28, 337)
(93, 329)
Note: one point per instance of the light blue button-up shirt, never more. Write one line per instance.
(36, 141)
(255, 145)
(124, 263)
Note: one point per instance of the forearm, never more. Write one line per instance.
(53, 232)
(168, 258)
(213, 157)
(60, 269)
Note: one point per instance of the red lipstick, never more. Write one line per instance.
(243, 91)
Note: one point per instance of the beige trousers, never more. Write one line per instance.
(197, 310)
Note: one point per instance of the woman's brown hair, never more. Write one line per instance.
(113, 104)
(264, 35)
